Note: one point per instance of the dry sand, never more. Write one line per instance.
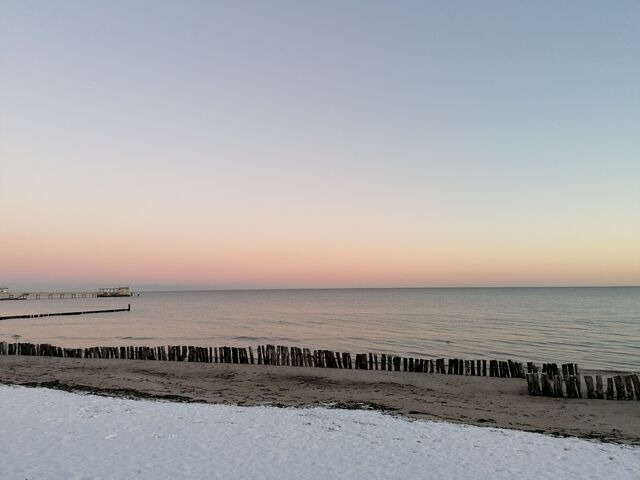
(496, 402)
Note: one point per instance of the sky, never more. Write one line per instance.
(300, 144)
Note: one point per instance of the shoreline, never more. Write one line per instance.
(481, 401)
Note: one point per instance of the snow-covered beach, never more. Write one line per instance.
(52, 434)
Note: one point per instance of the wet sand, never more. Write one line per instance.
(485, 401)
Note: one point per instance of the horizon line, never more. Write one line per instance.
(478, 287)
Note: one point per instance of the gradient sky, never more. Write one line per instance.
(319, 144)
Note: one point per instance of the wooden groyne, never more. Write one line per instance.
(59, 314)
(278, 355)
(547, 379)
(569, 384)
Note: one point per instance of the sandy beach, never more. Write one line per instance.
(480, 401)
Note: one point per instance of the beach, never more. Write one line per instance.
(482, 401)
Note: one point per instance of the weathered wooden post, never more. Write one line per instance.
(396, 364)
(588, 380)
(578, 384)
(621, 394)
(533, 384)
(628, 383)
(636, 384)
(609, 388)
(493, 368)
(547, 388)
(569, 386)
(599, 387)
(557, 386)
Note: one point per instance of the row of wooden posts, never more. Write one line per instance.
(548, 380)
(278, 355)
(62, 314)
(569, 385)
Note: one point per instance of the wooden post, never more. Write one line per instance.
(287, 356)
(547, 387)
(569, 386)
(588, 380)
(557, 386)
(599, 389)
(577, 389)
(533, 384)
(628, 383)
(578, 384)
(609, 388)
(621, 394)
(305, 358)
(636, 384)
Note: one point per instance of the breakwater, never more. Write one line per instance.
(542, 380)
(62, 314)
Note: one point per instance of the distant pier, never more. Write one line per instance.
(39, 295)
(5, 294)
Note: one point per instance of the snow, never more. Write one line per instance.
(48, 434)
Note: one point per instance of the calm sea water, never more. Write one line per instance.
(598, 328)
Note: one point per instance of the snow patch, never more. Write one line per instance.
(52, 434)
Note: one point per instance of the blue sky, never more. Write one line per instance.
(410, 131)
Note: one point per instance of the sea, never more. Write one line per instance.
(598, 328)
